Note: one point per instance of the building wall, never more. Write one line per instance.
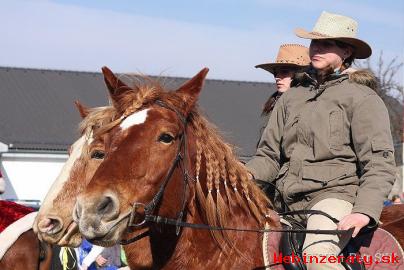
(29, 176)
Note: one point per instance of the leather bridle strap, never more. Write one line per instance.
(309, 212)
(136, 238)
(169, 221)
(150, 207)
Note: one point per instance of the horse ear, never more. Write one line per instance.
(84, 111)
(115, 86)
(190, 90)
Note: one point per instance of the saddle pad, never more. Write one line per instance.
(10, 212)
(18, 218)
(270, 249)
(379, 250)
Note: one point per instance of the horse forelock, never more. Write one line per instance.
(97, 117)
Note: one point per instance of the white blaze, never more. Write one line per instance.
(64, 175)
(134, 119)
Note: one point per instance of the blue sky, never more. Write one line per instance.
(178, 38)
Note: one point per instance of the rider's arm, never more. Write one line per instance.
(373, 145)
(264, 165)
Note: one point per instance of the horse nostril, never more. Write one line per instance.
(105, 206)
(50, 225)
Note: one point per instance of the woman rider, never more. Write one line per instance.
(328, 144)
(291, 58)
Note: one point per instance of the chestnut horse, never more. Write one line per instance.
(163, 158)
(163, 151)
(392, 219)
(54, 223)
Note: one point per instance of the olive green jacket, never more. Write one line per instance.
(329, 141)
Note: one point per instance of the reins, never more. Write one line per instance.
(179, 160)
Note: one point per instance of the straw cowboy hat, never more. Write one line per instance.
(337, 27)
(289, 55)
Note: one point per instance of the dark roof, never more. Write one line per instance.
(37, 110)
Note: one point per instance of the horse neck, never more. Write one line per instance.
(176, 252)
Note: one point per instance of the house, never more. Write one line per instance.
(38, 120)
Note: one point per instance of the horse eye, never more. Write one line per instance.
(166, 138)
(97, 154)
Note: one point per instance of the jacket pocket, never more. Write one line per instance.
(336, 126)
(379, 145)
(322, 176)
(382, 151)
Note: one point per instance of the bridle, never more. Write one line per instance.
(180, 160)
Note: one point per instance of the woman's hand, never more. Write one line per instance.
(101, 261)
(354, 220)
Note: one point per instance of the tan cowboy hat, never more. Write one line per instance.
(337, 27)
(289, 55)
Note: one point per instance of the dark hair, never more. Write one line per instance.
(270, 103)
(349, 60)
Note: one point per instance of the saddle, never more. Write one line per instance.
(11, 212)
(373, 249)
(15, 219)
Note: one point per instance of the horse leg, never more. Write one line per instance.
(23, 254)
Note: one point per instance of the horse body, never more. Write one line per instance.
(392, 220)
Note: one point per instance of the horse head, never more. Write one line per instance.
(139, 152)
(54, 222)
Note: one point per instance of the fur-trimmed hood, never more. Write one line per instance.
(361, 76)
(364, 77)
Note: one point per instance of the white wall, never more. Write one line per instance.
(29, 176)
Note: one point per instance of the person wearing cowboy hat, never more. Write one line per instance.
(291, 58)
(328, 144)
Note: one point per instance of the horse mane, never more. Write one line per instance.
(97, 118)
(227, 181)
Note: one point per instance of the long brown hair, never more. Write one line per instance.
(270, 103)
